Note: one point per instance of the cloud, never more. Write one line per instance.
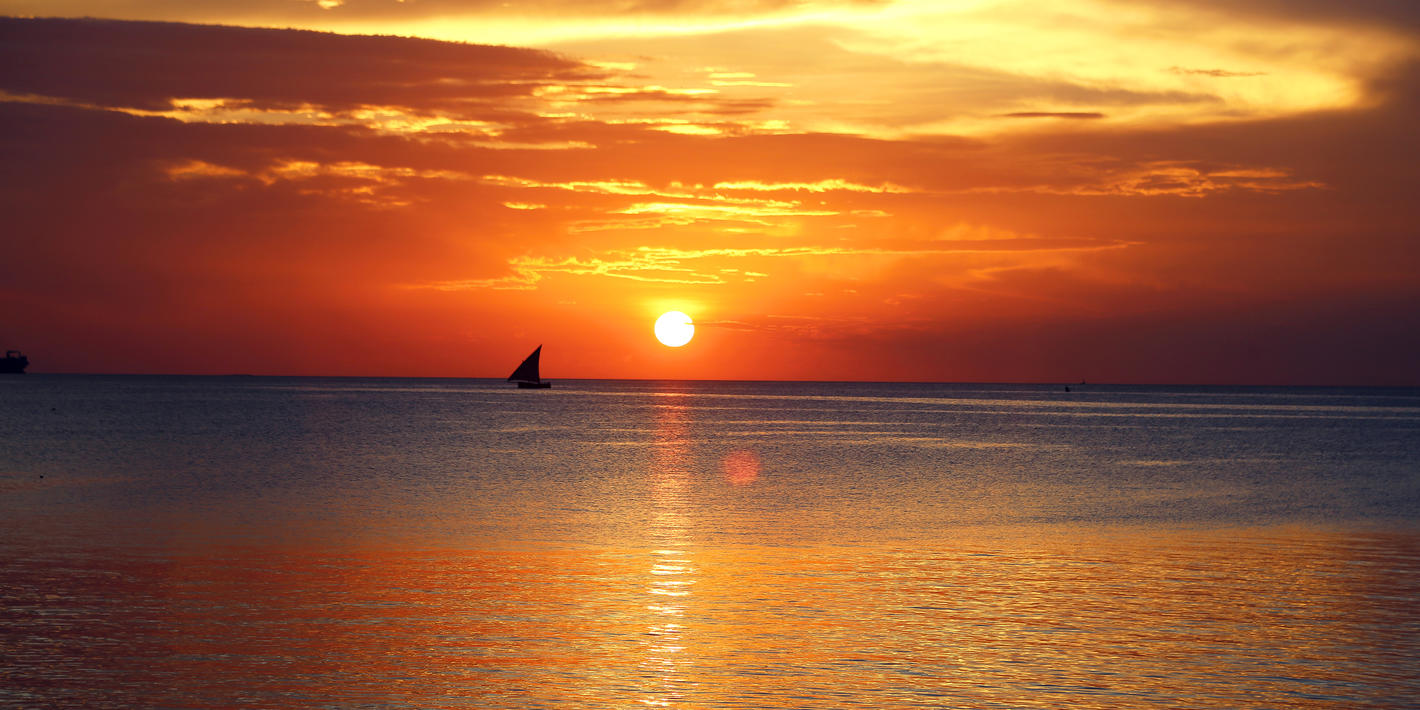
(1182, 179)
(1356, 13)
(129, 65)
(373, 185)
(282, 216)
(647, 264)
(704, 266)
(286, 12)
(825, 185)
(1053, 114)
(1218, 73)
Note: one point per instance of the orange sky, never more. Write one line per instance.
(1158, 191)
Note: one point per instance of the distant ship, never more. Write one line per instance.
(15, 363)
(526, 374)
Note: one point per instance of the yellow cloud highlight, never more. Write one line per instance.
(767, 84)
(651, 264)
(828, 185)
(917, 66)
(1108, 45)
(199, 169)
(684, 204)
(686, 128)
(1183, 180)
(602, 187)
(540, 29)
(767, 208)
(931, 67)
(614, 66)
(566, 95)
(374, 181)
(303, 169)
(676, 266)
(390, 120)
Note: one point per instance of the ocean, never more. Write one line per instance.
(220, 542)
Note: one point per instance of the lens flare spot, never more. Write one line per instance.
(741, 466)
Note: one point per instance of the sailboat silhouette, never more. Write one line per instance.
(526, 375)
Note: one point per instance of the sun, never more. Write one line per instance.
(674, 328)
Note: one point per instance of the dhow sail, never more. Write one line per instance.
(527, 373)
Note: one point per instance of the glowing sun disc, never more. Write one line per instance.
(674, 329)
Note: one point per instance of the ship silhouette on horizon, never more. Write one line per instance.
(527, 375)
(14, 363)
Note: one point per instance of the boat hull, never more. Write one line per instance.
(534, 385)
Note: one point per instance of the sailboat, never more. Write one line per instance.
(526, 374)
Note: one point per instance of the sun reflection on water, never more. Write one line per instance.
(671, 575)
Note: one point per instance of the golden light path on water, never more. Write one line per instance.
(672, 579)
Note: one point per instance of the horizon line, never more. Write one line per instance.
(500, 378)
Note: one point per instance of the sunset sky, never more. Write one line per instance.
(1119, 191)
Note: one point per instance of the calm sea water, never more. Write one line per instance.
(277, 542)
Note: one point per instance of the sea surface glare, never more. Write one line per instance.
(207, 542)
